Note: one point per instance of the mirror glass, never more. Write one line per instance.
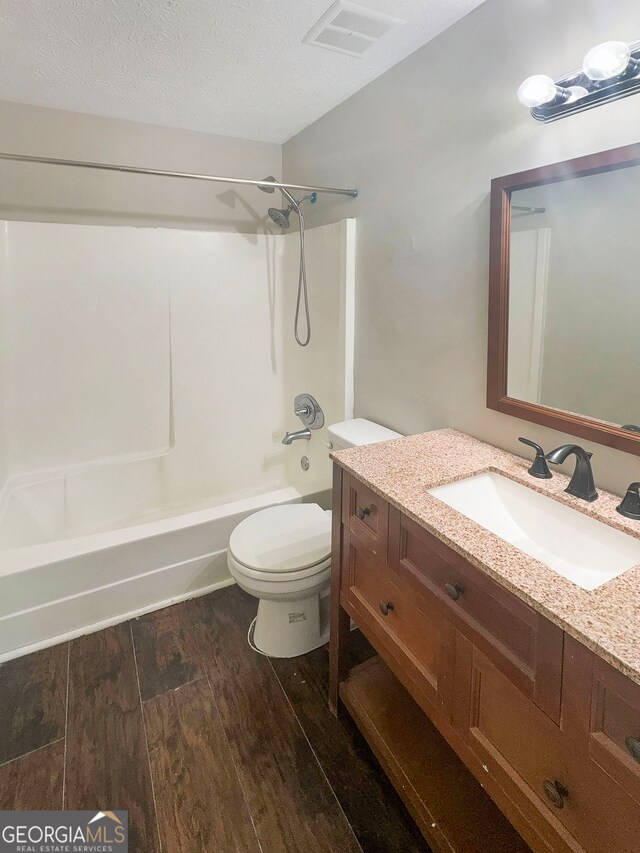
(574, 296)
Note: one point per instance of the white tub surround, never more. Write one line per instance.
(117, 503)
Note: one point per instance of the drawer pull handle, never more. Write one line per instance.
(556, 793)
(385, 608)
(454, 590)
(363, 512)
(633, 745)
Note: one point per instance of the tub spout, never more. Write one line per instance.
(290, 437)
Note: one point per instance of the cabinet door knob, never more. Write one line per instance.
(454, 590)
(386, 607)
(633, 745)
(556, 793)
(363, 512)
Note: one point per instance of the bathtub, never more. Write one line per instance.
(54, 591)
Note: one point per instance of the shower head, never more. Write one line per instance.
(285, 192)
(268, 189)
(280, 217)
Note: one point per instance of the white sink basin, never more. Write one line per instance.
(581, 549)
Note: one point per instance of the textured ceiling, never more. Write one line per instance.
(233, 67)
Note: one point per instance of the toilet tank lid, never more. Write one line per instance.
(359, 431)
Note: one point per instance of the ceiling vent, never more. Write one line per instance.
(350, 28)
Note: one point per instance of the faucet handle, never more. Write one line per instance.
(540, 468)
(630, 505)
(308, 410)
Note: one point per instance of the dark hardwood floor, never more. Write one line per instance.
(210, 746)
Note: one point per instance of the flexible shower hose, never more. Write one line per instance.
(302, 289)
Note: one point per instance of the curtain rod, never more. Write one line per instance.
(138, 170)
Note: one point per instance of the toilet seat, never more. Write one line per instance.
(282, 541)
(277, 577)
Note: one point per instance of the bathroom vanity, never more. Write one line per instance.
(501, 688)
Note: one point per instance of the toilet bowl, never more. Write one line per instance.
(282, 557)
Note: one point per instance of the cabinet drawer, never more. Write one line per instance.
(522, 643)
(416, 632)
(614, 736)
(366, 514)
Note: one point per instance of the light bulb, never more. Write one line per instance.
(537, 90)
(607, 60)
(575, 93)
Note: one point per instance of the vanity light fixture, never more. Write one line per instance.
(609, 71)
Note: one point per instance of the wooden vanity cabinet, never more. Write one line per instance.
(550, 730)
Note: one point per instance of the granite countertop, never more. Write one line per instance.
(607, 619)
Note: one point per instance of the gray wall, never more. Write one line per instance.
(422, 143)
(54, 193)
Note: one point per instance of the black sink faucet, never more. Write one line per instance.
(581, 485)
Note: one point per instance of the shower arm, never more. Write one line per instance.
(163, 173)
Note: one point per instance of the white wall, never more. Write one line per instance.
(227, 341)
(422, 143)
(59, 194)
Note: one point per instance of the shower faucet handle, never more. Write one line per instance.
(308, 410)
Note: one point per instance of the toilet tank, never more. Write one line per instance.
(358, 431)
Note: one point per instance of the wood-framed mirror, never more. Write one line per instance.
(564, 297)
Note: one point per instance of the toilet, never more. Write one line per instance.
(282, 556)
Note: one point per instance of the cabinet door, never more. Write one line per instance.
(602, 713)
(614, 731)
(413, 635)
(570, 800)
(521, 642)
(521, 749)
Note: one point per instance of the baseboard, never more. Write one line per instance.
(59, 621)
